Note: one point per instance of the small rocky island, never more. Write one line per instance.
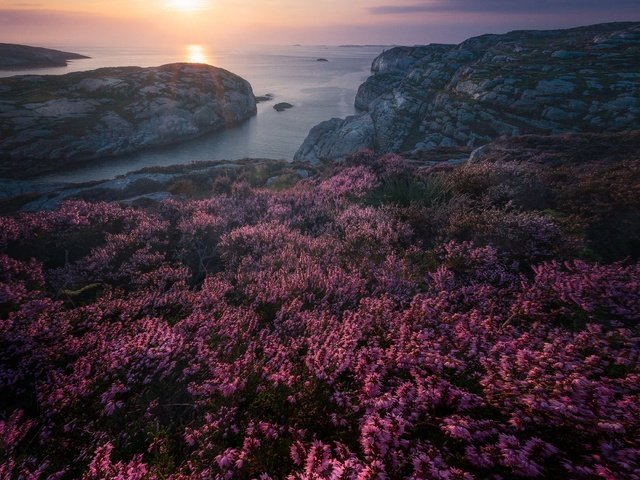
(52, 122)
(264, 98)
(22, 56)
(421, 99)
(282, 106)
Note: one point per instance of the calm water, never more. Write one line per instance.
(318, 91)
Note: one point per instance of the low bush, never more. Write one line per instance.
(381, 321)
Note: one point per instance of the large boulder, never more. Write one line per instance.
(52, 122)
(432, 97)
(337, 138)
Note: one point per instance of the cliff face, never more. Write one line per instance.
(49, 122)
(22, 56)
(527, 82)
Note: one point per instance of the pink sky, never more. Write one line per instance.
(251, 22)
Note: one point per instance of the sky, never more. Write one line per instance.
(281, 22)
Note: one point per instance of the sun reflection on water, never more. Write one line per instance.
(197, 54)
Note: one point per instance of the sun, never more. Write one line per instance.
(186, 5)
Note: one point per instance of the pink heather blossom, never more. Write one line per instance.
(350, 182)
(306, 334)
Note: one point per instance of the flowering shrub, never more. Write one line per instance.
(527, 237)
(352, 182)
(308, 333)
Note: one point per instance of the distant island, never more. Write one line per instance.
(282, 106)
(366, 46)
(22, 56)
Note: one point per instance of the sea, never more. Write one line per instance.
(317, 90)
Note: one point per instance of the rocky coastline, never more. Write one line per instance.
(52, 122)
(424, 98)
(200, 179)
(154, 184)
(435, 104)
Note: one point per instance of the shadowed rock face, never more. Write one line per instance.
(50, 122)
(529, 82)
(22, 56)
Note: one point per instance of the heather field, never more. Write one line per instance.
(379, 320)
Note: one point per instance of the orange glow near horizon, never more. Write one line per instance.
(187, 5)
(231, 23)
(224, 23)
(197, 54)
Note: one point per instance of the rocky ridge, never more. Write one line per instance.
(52, 122)
(154, 184)
(577, 151)
(425, 98)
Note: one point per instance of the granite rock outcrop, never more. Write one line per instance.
(52, 122)
(431, 97)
